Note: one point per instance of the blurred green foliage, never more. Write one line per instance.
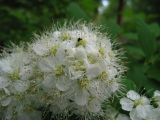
(139, 31)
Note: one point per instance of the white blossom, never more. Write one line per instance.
(156, 97)
(72, 68)
(133, 100)
(146, 112)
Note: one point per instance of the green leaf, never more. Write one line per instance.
(135, 52)
(137, 74)
(146, 38)
(155, 29)
(154, 73)
(131, 36)
(129, 84)
(75, 11)
(112, 28)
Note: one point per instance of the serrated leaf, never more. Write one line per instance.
(129, 84)
(137, 74)
(135, 52)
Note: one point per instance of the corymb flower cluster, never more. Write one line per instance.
(71, 69)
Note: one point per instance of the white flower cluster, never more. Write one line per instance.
(72, 68)
(141, 107)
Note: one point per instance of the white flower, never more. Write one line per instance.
(5, 101)
(55, 72)
(69, 68)
(133, 100)
(145, 112)
(15, 72)
(156, 97)
(3, 83)
(79, 62)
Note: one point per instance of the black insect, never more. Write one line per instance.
(79, 39)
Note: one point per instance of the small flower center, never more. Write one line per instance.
(103, 76)
(14, 75)
(83, 83)
(138, 102)
(65, 36)
(90, 98)
(53, 50)
(81, 42)
(79, 65)
(102, 51)
(57, 93)
(59, 71)
(91, 58)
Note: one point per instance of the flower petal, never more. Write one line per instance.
(133, 95)
(156, 93)
(6, 101)
(3, 82)
(126, 104)
(94, 106)
(81, 97)
(122, 117)
(21, 86)
(63, 84)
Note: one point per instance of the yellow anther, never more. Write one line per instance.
(138, 102)
(103, 76)
(91, 58)
(59, 71)
(65, 36)
(53, 50)
(83, 83)
(79, 65)
(14, 75)
(102, 51)
(81, 42)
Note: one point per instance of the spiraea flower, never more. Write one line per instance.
(146, 112)
(72, 68)
(81, 63)
(133, 100)
(140, 107)
(156, 98)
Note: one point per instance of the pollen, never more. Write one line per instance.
(102, 51)
(83, 83)
(79, 65)
(103, 76)
(53, 50)
(91, 58)
(137, 102)
(65, 36)
(81, 42)
(14, 75)
(59, 71)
